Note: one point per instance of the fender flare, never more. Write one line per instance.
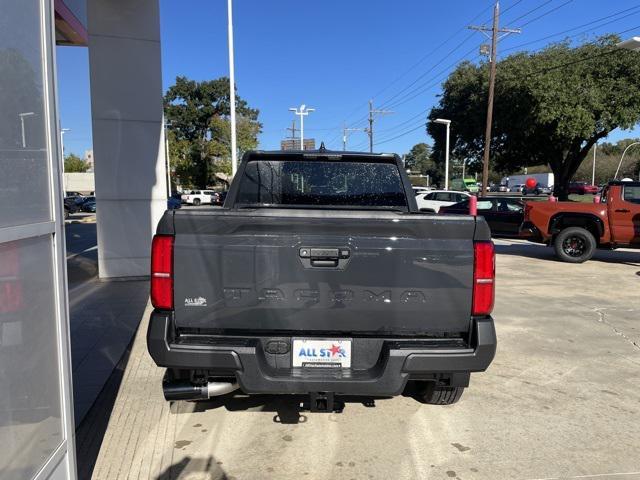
(582, 219)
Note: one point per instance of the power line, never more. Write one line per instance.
(574, 62)
(544, 70)
(547, 13)
(424, 57)
(419, 90)
(505, 10)
(385, 103)
(543, 4)
(402, 134)
(637, 7)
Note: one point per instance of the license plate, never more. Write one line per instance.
(321, 353)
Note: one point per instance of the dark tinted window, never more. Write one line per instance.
(631, 194)
(443, 197)
(292, 182)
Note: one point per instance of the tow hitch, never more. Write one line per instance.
(323, 402)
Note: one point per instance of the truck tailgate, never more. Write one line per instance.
(322, 271)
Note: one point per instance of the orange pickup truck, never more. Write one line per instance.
(576, 229)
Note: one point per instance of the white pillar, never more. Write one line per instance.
(128, 136)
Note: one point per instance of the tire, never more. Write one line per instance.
(196, 202)
(574, 245)
(433, 395)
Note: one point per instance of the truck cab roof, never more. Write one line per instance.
(336, 155)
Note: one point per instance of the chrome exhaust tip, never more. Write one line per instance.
(185, 390)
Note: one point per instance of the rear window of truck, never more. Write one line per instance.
(321, 183)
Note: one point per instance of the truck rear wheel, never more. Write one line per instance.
(435, 395)
(574, 245)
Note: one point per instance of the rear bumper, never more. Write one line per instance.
(258, 371)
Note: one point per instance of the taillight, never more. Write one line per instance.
(162, 272)
(484, 275)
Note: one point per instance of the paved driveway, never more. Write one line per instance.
(561, 400)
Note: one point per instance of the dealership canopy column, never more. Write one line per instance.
(128, 139)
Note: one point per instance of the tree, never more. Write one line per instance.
(607, 160)
(550, 108)
(197, 113)
(73, 164)
(419, 160)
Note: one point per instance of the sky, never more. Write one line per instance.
(336, 55)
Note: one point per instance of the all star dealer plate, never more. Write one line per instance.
(321, 353)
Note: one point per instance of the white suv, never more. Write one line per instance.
(197, 197)
(432, 201)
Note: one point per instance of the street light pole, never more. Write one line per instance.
(62, 132)
(632, 44)
(168, 160)
(22, 115)
(615, 177)
(447, 124)
(302, 112)
(232, 89)
(64, 182)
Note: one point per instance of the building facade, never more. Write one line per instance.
(36, 401)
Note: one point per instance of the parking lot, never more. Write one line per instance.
(561, 400)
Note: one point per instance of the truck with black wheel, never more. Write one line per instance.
(577, 229)
(320, 277)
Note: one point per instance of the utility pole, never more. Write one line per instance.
(372, 114)
(293, 129)
(495, 30)
(345, 134)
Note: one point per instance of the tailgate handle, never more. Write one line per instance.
(324, 263)
(324, 257)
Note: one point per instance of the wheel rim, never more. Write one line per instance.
(574, 246)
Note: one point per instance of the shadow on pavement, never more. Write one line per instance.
(201, 468)
(543, 252)
(289, 410)
(90, 433)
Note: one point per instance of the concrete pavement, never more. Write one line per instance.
(561, 400)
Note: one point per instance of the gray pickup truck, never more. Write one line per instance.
(320, 277)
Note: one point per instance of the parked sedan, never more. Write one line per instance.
(504, 215)
(433, 201)
(582, 188)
